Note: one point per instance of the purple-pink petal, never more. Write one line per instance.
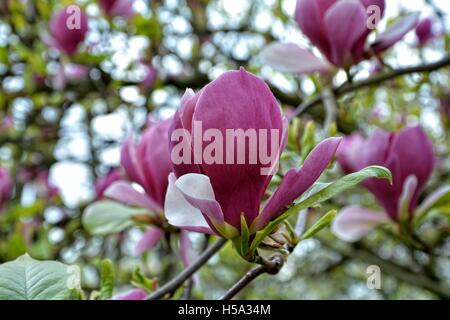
(297, 181)
(395, 32)
(149, 240)
(68, 38)
(345, 23)
(124, 192)
(135, 294)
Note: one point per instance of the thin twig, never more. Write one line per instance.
(176, 282)
(244, 281)
(271, 267)
(350, 87)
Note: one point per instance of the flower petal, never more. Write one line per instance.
(395, 32)
(297, 181)
(289, 57)
(309, 15)
(150, 239)
(124, 192)
(135, 294)
(345, 23)
(238, 100)
(353, 223)
(180, 213)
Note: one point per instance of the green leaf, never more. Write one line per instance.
(245, 235)
(109, 217)
(326, 192)
(29, 279)
(320, 224)
(139, 280)
(107, 280)
(308, 139)
(439, 199)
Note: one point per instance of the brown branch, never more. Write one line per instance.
(176, 282)
(271, 267)
(350, 87)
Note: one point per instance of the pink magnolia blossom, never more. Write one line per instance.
(147, 163)
(425, 31)
(121, 8)
(408, 154)
(6, 186)
(65, 34)
(339, 29)
(104, 182)
(212, 197)
(151, 75)
(69, 72)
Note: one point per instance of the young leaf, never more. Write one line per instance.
(322, 195)
(107, 280)
(139, 280)
(308, 139)
(109, 217)
(29, 279)
(320, 224)
(245, 235)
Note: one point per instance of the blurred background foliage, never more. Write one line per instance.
(72, 132)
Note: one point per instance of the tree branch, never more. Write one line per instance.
(271, 267)
(392, 269)
(176, 282)
(350, 87)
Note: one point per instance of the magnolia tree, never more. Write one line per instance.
(211, 149)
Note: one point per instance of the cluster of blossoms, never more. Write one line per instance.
(340, 30)
(411, 165)
(68, 30)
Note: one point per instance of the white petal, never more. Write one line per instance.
(179, 212)
(288, 57)
(353, 223)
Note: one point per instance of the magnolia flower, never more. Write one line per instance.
(339, 29)
(147, 164)
(6, 187)
(425, 31)
(121, 8)
(69, 72)
(68, 29)
(150, 77)
(408, 154)
(213, 196)
(107, 180)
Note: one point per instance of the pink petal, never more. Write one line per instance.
(149, 240)
(123, 192)
(288, 57)
(297, 181)
(154, 155)
(185, 248)
(353, 223)
(136, 294)
(239, 100)
(345, 23)
(309, 15)
(395, 32)
(68, 39)
(349, 153)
